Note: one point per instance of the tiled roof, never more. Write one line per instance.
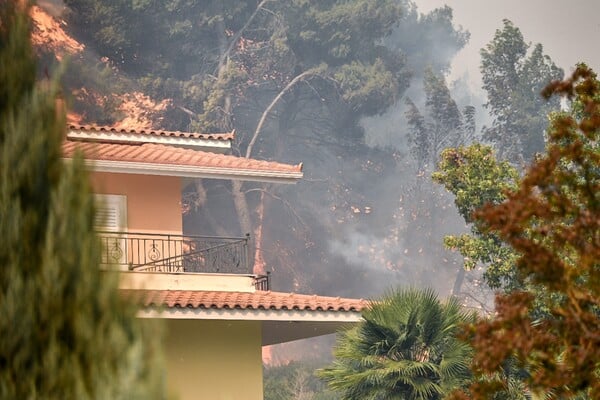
(151, 132)
(158, 154)
(243, 300)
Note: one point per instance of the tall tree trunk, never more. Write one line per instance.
(239, 196)
(242, 209)
(259, 266)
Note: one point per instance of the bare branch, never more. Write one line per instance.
(284, 201)
(187, 111)
(263, 118)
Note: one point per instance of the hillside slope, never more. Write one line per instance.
(98, 93)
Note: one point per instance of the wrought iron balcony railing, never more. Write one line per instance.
(156, 252)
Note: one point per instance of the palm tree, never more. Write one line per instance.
(404, 349)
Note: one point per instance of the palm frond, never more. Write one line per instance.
(405, 348)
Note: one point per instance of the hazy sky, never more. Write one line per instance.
(569, 30)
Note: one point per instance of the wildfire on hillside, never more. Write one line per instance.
(48, 33)
(134, 110)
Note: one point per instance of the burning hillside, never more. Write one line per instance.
(130, 110)
(48, 34)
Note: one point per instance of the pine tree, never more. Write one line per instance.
(513, 78)
(65, 333)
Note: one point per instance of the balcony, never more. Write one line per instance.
(154, 252)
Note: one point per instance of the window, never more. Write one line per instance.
(111, 212)
(111, 222)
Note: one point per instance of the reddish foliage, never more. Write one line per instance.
(553, 221)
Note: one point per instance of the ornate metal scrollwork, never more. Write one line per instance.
(153, 253)
(115, 252)
(175, 253)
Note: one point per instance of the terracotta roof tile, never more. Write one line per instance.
(152, 132)
(243, 300)
(170, 155)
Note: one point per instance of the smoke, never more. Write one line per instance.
(56, 8)
(410, 215)
(414, 213)
(390, 130)
(363, 219)
(369, 252)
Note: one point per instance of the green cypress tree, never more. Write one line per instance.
(65, 333)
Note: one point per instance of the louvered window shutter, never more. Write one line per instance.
(111, 216)
(111, 212)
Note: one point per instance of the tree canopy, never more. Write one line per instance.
(513, 78)
(475, 177)
(552, 220)
(230, 52)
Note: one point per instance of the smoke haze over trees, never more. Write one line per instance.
(294, 80)
(356, 90)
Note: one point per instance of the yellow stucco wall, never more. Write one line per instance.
(214, 360)
(153, 202)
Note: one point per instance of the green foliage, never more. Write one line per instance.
(64, 330)
(475, 178)
(513, 81)
(230, 53)
(17, 60)
(339, 31)
(552, 221)
(405, 348)
(368, 89)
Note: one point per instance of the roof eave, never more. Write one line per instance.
(186, 171)
(252, 314)
(277, 325)
(214, 145)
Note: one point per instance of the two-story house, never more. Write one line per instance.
(218, 315)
